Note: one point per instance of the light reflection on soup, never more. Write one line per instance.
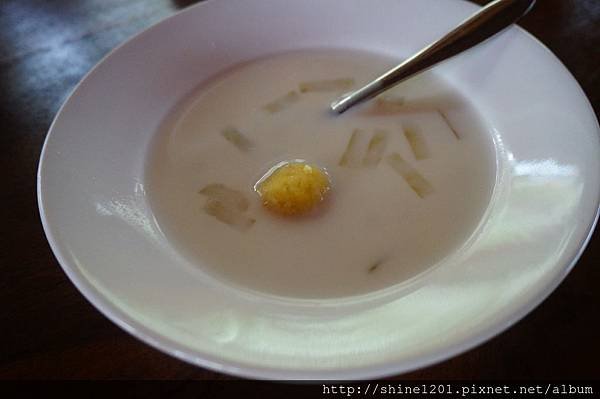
(411, 176)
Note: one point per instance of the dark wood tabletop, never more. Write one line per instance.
(49, 331)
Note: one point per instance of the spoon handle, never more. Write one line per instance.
(491, 19)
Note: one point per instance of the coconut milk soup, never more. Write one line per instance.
(388, 189)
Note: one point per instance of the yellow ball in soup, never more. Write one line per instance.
(294, 189)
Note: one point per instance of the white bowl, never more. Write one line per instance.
(99, 224)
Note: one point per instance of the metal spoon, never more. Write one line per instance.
(482, 25)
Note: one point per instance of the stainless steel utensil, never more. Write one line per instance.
(491, 19)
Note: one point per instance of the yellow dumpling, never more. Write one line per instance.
(294, 188)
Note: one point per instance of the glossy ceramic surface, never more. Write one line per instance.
(98, 222)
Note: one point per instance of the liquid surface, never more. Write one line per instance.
(412, 175)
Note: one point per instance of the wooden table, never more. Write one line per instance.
(48, 330)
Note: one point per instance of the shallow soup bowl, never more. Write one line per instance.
(103, 229)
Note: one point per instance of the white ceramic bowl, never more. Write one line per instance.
(98, 222)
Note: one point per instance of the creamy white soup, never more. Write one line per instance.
(410, 176)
